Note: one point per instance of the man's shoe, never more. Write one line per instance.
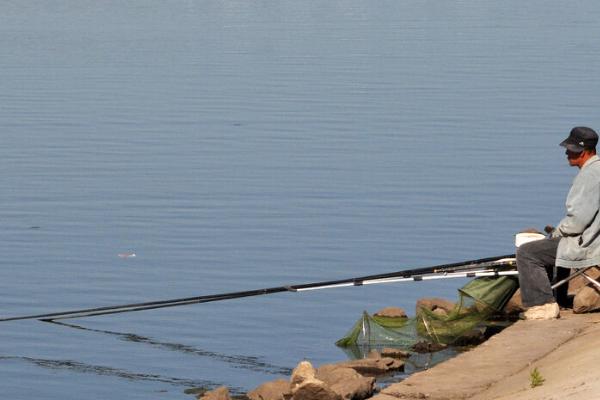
(545, 311)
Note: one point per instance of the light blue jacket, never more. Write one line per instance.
(579, 230)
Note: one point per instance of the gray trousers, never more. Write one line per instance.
(535, 262)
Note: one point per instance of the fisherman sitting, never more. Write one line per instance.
(575, 242)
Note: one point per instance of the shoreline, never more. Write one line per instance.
(565, 352)
(560, 356)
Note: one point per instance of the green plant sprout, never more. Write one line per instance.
(536, 378)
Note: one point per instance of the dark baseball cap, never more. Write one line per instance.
(581, 138)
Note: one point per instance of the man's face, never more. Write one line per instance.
(574, 158)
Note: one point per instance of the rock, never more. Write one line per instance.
(440, 312)
(374, 354)
(303, 371)
(428, 347)
(391, 312)
(346, 382)
(220, 393)
(374, 366)
(577, 283)
(514, 305)
(470, 338)
(394, 353)
(587, 299)
(314, 389)
(388, 352)
(274, 390)
(434, 303)
(197, 391)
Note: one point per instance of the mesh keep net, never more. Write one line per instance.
(479, 301)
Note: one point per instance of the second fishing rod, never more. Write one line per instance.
(483, 264)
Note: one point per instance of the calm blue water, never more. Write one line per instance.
(235, 145)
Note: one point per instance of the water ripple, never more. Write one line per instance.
(238, 361)
(80, 367)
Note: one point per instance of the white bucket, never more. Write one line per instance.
(526, 237)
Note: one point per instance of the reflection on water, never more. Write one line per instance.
(238, 361)
(415, 362)
(83, 368)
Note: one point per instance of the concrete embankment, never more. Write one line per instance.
(566, 352)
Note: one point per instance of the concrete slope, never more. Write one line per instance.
(507, 357)
(572, 371)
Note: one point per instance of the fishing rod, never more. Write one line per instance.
(491, 266)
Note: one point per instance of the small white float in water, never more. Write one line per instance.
(126, 255)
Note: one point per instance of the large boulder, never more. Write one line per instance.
(274, 390)
(220, 393)
(391, 312)
(346, 382)
(314, 389)
(434, 303)
(587, 299)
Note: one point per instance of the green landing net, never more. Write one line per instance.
(478, 301)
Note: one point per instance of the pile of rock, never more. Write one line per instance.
(349, 380)
(586, 296)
